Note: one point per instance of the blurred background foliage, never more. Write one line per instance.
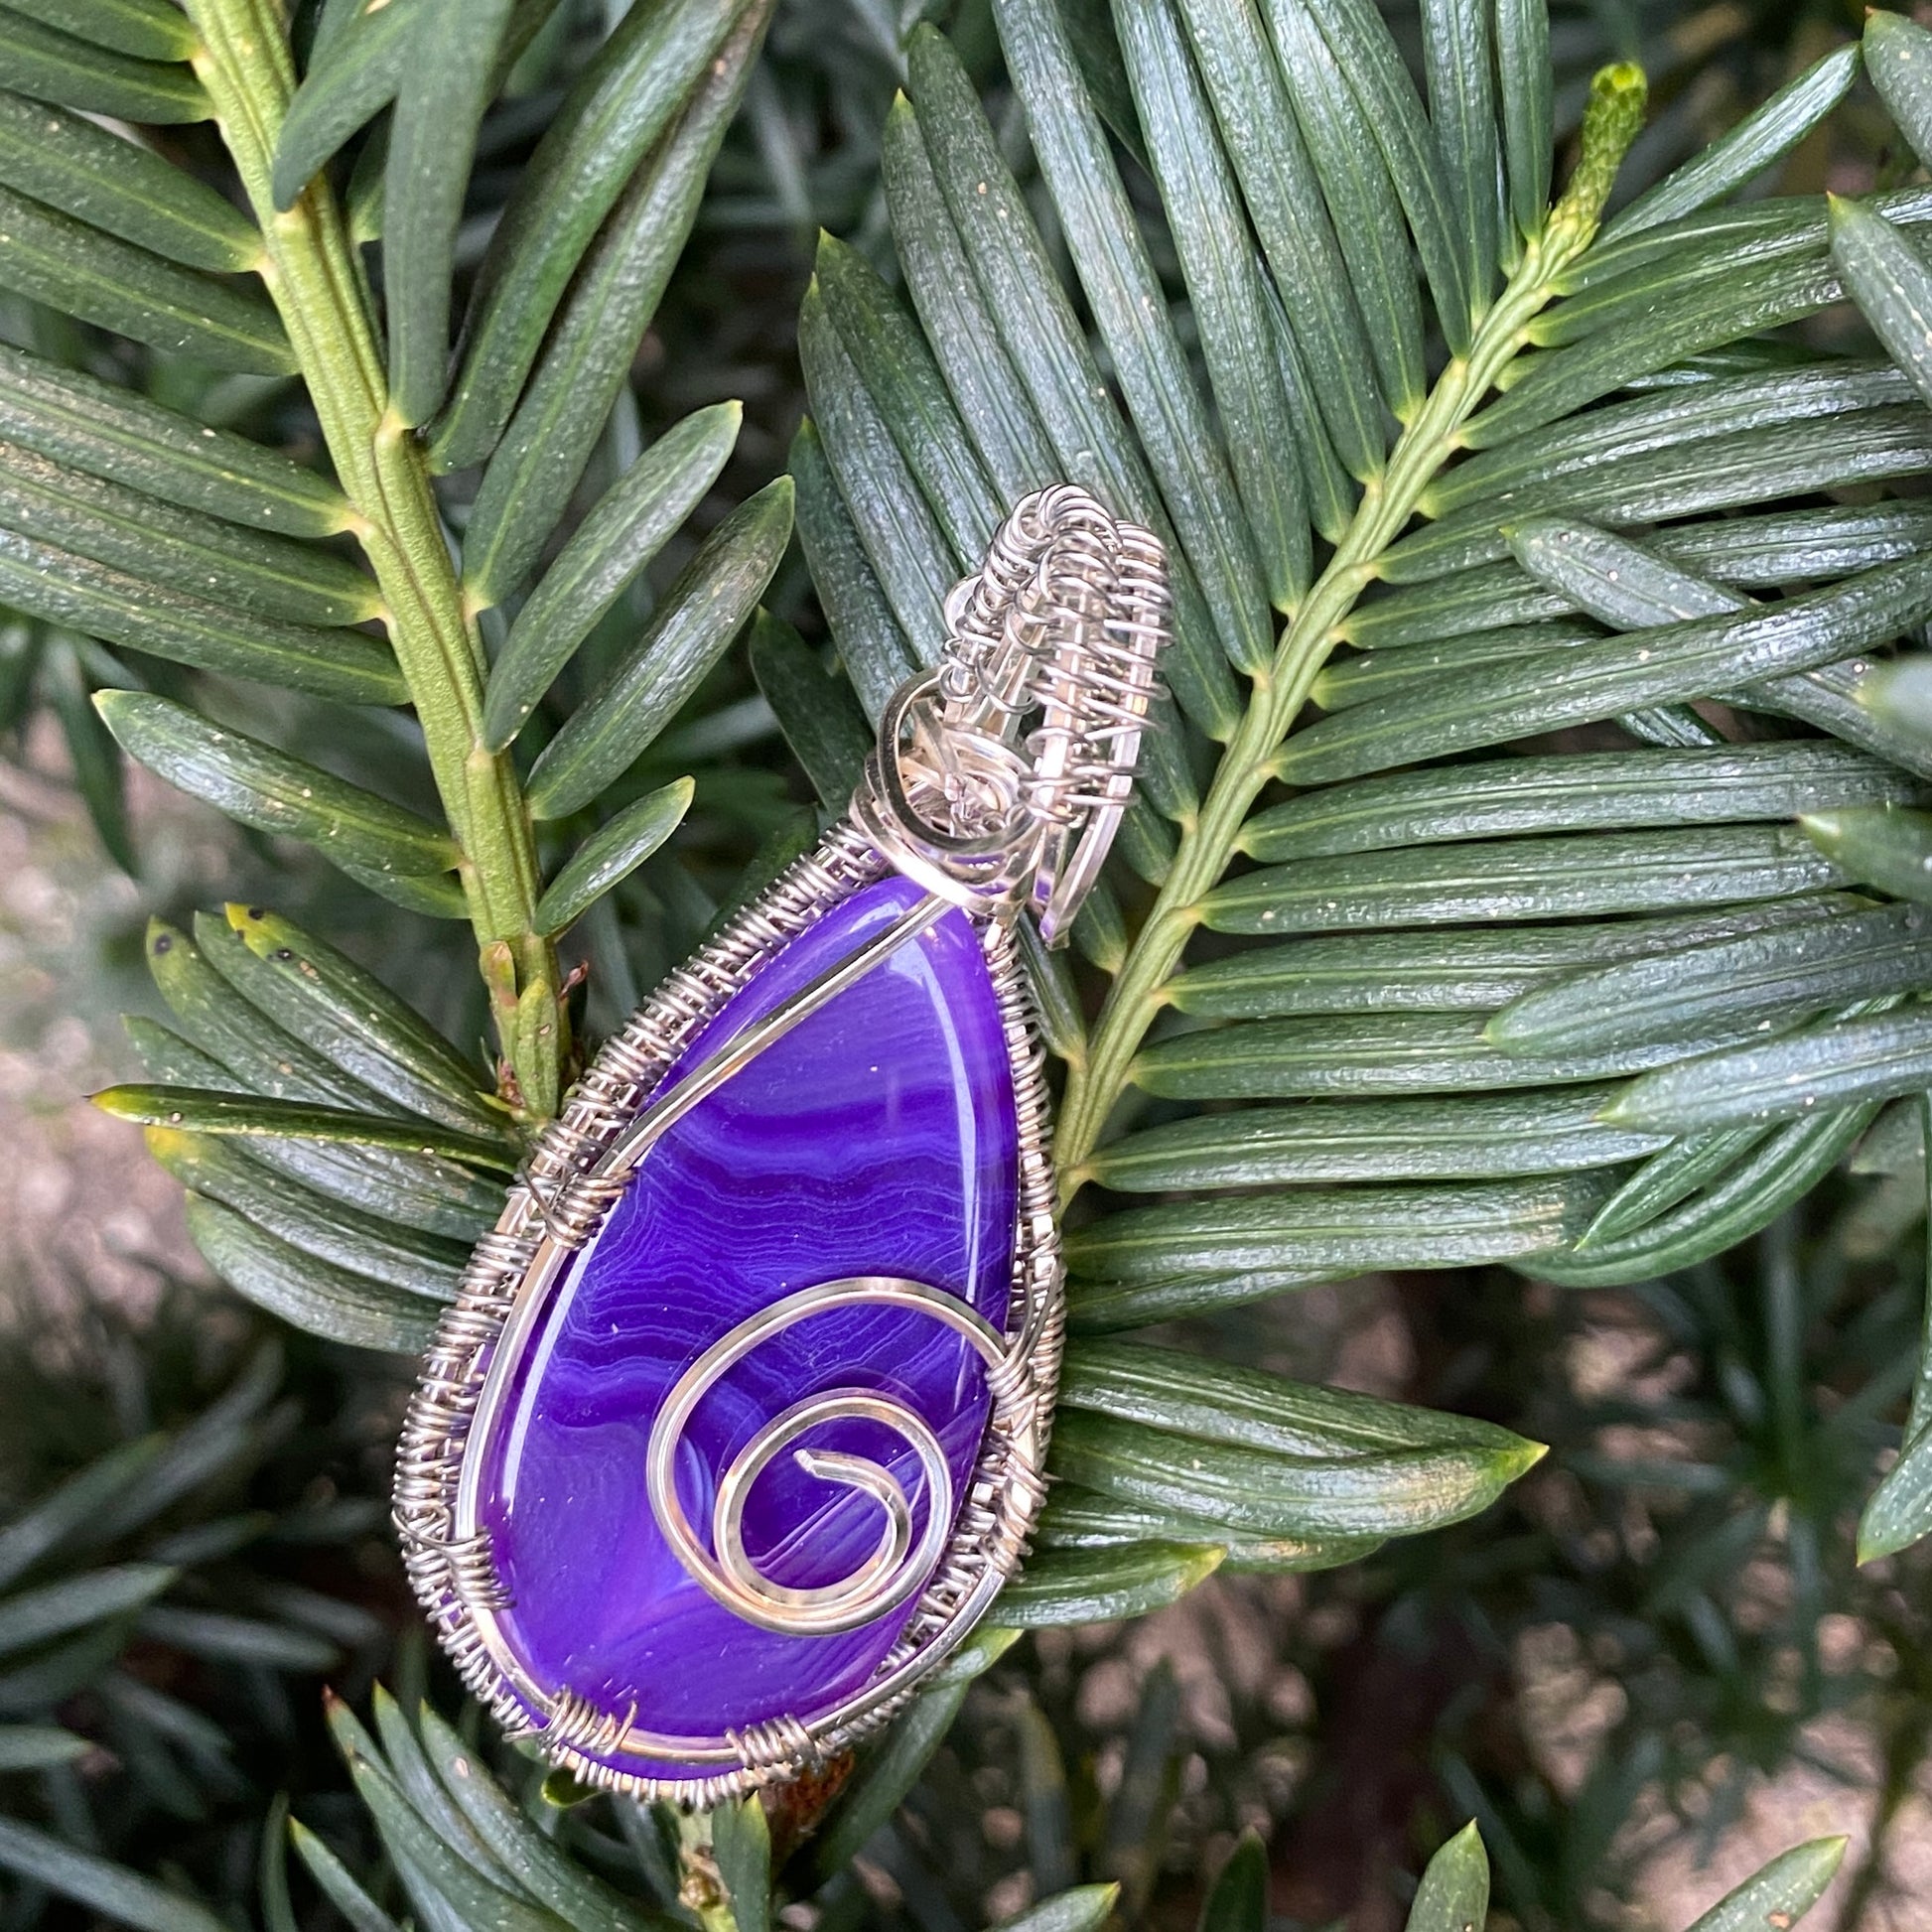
(1647, 1668)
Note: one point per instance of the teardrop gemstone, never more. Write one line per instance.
(877, 1138)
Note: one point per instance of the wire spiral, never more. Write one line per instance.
(900, 1562)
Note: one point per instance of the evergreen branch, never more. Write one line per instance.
(1281, 689)
(311, 273)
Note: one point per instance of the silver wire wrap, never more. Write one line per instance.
(1001, 777)
(999, 781)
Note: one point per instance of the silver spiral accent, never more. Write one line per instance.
(900, 1565)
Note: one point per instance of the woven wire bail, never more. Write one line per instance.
(1001, 776)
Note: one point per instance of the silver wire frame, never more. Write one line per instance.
(572, 1178)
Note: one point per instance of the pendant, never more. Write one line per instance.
(739, 1422)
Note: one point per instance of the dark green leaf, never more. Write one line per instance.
(903, 544)
(1844, 1064)
(1706, 989)
(95, 80)
(619, 107)
(1040, 333)
(1581, 793)
(1478, 1137)
(1237, 1901)
(1412, 671)
(196, 1110)
(110, 432)
(1081, 1908)
(84, 272)
(427, 1865)
(1890, 280)
(1098, 1585)
(272, 1870)
(75, 166)
(407, 1189)
(69, 1511)
(1482, 598)
(611, 853)
(630, 526)
(1367, 54)
(1450, 971)
(1678, 1172)
(887, 1771)
(993, 406)
(1324, 1233)
(436, 896)
(1781, 1893)
(149, 29)
(109, 604)
(39, 1747)
(99, 1884)
(1284, 195)
(1788, 545)
(326, 999)
(1878, 845)
(408, 1763)
(740, 1843)
(1528, 110)
(1131, 314)
(1718, 471)
(822, 721)
(887, 355)
(1139, 1818)
(1649, 328)
(352, 77)
(874, 649)
(1225, 1402)
(1457, 61)
(1898, 56)
(224, 1639)
(31, 1617)
(199, 557)
(1613, 579)
(588, 355)
(418, 1264)
(1762, 137)
(1383, 1053)
(1454, 1895)
(1493, 704)
(1630, 586)
(1522, 879)
(270, 790)
(688, 633)
(1899, 1512)
(329, 1872)
(445, 86)
(1701, 423)
(1211, 235)
(307, 1293)
(1367, 216)
(1044, 1797)
(22, 648)
(98, 768)
(537, 1866)
(1393, 1491)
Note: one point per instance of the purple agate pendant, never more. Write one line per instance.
(739, 1422)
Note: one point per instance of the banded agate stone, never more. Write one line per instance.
(877, 1138)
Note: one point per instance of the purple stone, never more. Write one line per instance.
(877, 1138)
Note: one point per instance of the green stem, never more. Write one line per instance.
(311, 273)
(1207, 846)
